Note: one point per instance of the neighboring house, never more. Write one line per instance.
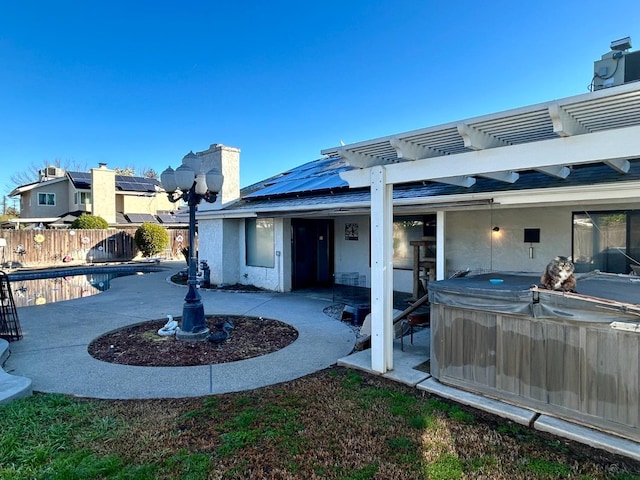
(60, 196)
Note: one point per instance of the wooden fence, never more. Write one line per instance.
(36, 248)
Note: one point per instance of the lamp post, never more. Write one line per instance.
(191, 184)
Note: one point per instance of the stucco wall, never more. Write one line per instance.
(270, 278)
(227, 159)
(62, 201)
(471, 242)
(219, 245)
(352, 255)
(144, 204)
(103, 193)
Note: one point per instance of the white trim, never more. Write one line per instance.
(624, 191)
(25, 188)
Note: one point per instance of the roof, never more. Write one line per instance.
(344, 200)
(319, 185)
(124, 183)
(30, 186)
(122, 219)
(82, 181)
(318, 175)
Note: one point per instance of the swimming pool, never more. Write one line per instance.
(40, 287)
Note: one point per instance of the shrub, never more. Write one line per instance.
(88, 222)
(151, 239)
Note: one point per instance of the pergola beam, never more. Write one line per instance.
(461, 181)
(619, 165)
(360, 160)
(477, 140)
(558, 171)
(411, 151)
(508, 177)
(564, 125)
(603, 146)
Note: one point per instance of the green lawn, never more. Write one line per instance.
(336, 424)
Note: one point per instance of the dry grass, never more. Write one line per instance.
(338, 424)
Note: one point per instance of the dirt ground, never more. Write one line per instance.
(141, 345)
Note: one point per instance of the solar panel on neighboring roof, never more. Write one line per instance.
(80, 180)
(136, 184)
(141, 217)
(167, 218)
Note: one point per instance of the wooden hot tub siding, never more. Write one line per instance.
(583, 371)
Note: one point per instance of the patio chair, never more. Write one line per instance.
(412, 322)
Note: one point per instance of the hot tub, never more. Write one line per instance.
(574, 356)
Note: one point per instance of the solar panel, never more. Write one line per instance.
(167, 218)
(136, 184)
(315, 176)
(127, 186)
(80, 180)
(141, 218)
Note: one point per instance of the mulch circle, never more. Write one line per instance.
(141, 345)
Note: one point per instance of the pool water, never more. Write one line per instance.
(58, 289)
(43, 287)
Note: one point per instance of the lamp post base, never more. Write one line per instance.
(192, 336)
(193, 326)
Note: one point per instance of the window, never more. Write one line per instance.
(46, 199)
(600, 241)
(406, 230)
(82, 198)
(260, 244)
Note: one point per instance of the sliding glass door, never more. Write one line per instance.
(606, 241)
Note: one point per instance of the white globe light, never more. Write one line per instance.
(201, 184)
(168, 180)
(193, 161)
(184, 176)
(214, 180)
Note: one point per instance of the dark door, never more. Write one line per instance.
(312, 244)
(633, 241)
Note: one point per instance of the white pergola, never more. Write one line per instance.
(598, 127)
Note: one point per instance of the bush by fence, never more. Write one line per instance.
(57, 247)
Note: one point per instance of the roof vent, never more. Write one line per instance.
(616, 67)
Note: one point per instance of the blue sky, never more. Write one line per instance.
(141, 83)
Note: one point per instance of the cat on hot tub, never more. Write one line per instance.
(559, 275)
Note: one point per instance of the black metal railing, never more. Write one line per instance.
(9, 324)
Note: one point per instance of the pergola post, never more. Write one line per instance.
(381, 271)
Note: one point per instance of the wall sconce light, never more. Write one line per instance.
(496, 229)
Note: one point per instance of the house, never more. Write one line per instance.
(506, 191)
(60, 196)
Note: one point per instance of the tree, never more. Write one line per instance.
(31, 173)
(151, 239)
(129, 171)
(125, 171)
(7, 210)
(89, 222)
(150, 173)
